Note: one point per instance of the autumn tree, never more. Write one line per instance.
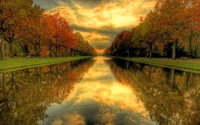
(11, 15)
(194, 28)
(88, 49)
(172, 21)
(122, 43)
(150, 32)
(169, 28)
(33, 32)
(51, 31)
(107, 51)
(80, 45)
(64, 36)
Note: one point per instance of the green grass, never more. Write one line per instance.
(19, 63)
(191, 65)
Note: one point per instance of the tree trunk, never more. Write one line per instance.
(2, 49)
(72, 54)
(36, 48)
(150, 51)
(56, 50)
(26, 51)
(174, 50)
(59, 50)
(50, 55)
(10, 49)
(150, 56)
(39, 50)
(190, 43)
(66, 52)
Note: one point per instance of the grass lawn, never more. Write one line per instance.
(192, 65)
(22, 62)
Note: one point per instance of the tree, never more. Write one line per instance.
(194, 28)
(12, 13)
(80, 45)
(51, 31)
(88, 49)
(150, 32)
(64, 36)
(32, 31)
(172, 21)
(122, 43)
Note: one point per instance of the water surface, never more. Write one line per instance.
(99, 91)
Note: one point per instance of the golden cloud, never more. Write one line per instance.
(112, 15)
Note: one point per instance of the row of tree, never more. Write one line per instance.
(172, 29)
(27, 29)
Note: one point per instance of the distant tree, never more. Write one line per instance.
(88, 49)
(80, 45)
(107, 51)
(122, 43)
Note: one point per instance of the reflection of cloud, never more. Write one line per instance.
(100, 16)
(90, 112)
(74, 119)
(57, 122)
(99, 99)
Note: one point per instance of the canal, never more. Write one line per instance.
(99, 91)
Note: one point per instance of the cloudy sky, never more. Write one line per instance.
(99, 20)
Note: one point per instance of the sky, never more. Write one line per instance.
(99, 21)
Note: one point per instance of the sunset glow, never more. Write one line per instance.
(99, 20)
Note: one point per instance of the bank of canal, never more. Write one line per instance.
(20, 63)
(188, 65)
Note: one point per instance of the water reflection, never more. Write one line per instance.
(99, 91)
(99, 100)
(26, 94)
(171, 97)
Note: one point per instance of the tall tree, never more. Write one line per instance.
(172, 21)
(64, 36)
(12, 14)
(150, 32)
(194, 34)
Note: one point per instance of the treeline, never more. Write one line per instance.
(171, 29)
(26, 29)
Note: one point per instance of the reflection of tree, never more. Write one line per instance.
(26, 94)
(171, 97)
